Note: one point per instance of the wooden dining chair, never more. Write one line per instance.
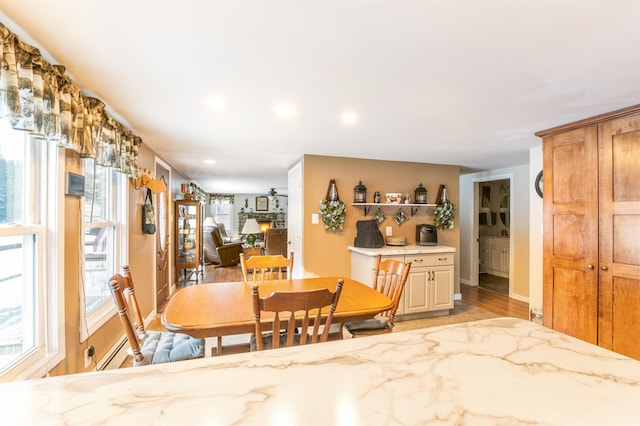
(149, 347)
(389, 276)
(287, 307)
(266, 268)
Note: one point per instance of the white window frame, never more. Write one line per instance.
(48, 229)
(92, 321)
(231, 227)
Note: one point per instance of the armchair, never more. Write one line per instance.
(276, 242)
(216, 251)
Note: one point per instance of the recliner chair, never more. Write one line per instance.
(276, 242)
(216, 251)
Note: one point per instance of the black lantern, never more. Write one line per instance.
(421, 195)
(360, 193)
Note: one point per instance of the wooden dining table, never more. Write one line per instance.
(223, 309)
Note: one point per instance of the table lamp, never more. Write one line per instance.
(250, 229)
(209, 222)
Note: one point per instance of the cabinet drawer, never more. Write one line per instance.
(500, 243)
(418, 260)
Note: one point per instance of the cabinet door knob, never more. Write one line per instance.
(604, 268)
(589, 266)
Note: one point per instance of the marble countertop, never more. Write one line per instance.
(498, 371)
(402, 250)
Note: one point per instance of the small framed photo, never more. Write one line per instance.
(262, 203)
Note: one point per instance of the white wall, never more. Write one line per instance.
(535, 225)
(521, 185)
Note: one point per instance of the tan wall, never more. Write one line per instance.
(141, 261)
(326, 253)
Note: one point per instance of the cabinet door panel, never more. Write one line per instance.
(626, 317)
(415, 291)
(575, 312)
(570, 242)
(619, 227)
(441, 288)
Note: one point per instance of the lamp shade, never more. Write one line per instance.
(209, 222)
(251, 227)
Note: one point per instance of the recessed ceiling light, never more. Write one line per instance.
(349, 118)
(215, 103)
(209, 161)
(286, 110)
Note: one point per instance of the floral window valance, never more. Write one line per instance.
(39, 98)
(221, 198)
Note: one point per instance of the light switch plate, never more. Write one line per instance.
(389, 231)
(315, 219)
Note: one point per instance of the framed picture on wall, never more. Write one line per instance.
(262, 203)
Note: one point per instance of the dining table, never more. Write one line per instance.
(226, 308)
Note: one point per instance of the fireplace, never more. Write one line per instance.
(265, 220)
(264, 225)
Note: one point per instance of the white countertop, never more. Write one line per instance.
(499, 371)
(402, 250)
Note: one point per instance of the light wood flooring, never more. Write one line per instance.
(477, 303)
(494, 282)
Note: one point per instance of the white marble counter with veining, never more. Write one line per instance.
(402, 250)
(500, 371)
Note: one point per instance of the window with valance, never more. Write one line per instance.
(37, 97)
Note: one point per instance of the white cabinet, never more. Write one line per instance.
(494, 256)
(430, 283)
(429, 288)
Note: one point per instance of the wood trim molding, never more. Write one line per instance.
(591, 120)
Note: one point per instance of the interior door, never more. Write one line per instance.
(295, 218)
(619, 227)
(570, 240)
(162, 235)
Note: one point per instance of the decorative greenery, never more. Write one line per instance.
(333, 214)
(444, 214)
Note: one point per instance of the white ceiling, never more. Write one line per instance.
(441, 81)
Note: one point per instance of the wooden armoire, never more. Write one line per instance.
(591, 276)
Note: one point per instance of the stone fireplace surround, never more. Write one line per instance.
(277, 220)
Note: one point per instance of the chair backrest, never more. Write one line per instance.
(389, 278)
(288, 306)
(124, 296)
(216, 237)
(267, 268)
(276, 241)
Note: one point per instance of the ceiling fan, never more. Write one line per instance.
(273, 194)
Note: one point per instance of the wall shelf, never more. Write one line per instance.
(414, 207)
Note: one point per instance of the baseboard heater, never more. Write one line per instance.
(115, 357)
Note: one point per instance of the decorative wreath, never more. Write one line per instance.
(333, 214)
(444, 214)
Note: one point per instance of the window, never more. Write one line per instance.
(31, 314)
(222, 211)
(104, 241)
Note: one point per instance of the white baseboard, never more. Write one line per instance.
(120, 351)
(465, 281)
(519, 297)
(115, 356)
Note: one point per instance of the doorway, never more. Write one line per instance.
(163, 287)
(493, 227)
